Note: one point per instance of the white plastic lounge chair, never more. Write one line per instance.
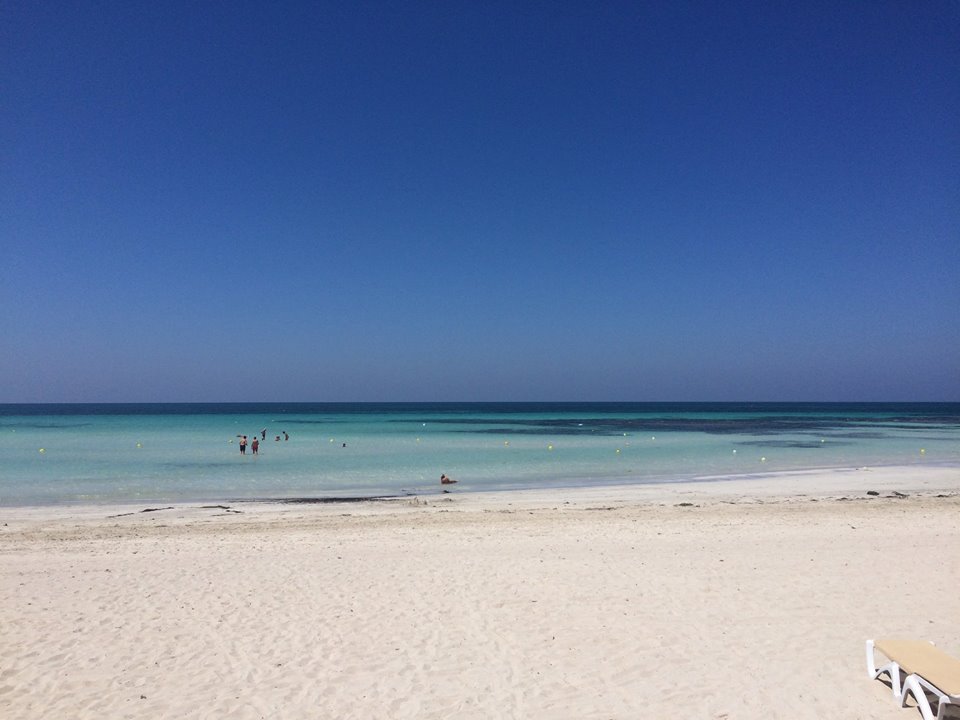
(926, 668)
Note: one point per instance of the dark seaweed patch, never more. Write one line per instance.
(788, 443)
(836, 426)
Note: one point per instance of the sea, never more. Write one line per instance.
(128, 453)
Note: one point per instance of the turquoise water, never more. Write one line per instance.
(155, 453)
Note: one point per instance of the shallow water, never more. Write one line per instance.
(119, 453)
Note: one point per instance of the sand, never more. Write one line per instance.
(748, 599)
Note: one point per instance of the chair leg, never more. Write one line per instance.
(913, 685)
(891, 668)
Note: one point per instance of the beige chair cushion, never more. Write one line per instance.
(926, 660)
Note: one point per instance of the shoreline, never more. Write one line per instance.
(820, 483)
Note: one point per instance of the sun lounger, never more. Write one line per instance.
(927, 668)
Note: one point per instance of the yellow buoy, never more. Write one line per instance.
(549, 447)
(42, 450)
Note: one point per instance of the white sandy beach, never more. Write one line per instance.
(744, 599)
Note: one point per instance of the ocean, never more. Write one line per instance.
(59, 454)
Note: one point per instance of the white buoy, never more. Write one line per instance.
(763, 459)
(549, 447)
(42, 451)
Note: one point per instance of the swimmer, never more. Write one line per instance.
(444, 480)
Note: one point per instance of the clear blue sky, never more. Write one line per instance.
(229, 201)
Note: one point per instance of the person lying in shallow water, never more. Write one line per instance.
(444, 480)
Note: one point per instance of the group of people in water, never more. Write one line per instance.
(255, 443)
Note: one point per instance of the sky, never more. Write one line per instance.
(459, 201)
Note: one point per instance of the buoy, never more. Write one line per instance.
(763, 459)
(734, 452)
(549, 447)
(506, 443)
(139, 445)
(618, 451)
(923, 451)
(654, 437)
(42, 450)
